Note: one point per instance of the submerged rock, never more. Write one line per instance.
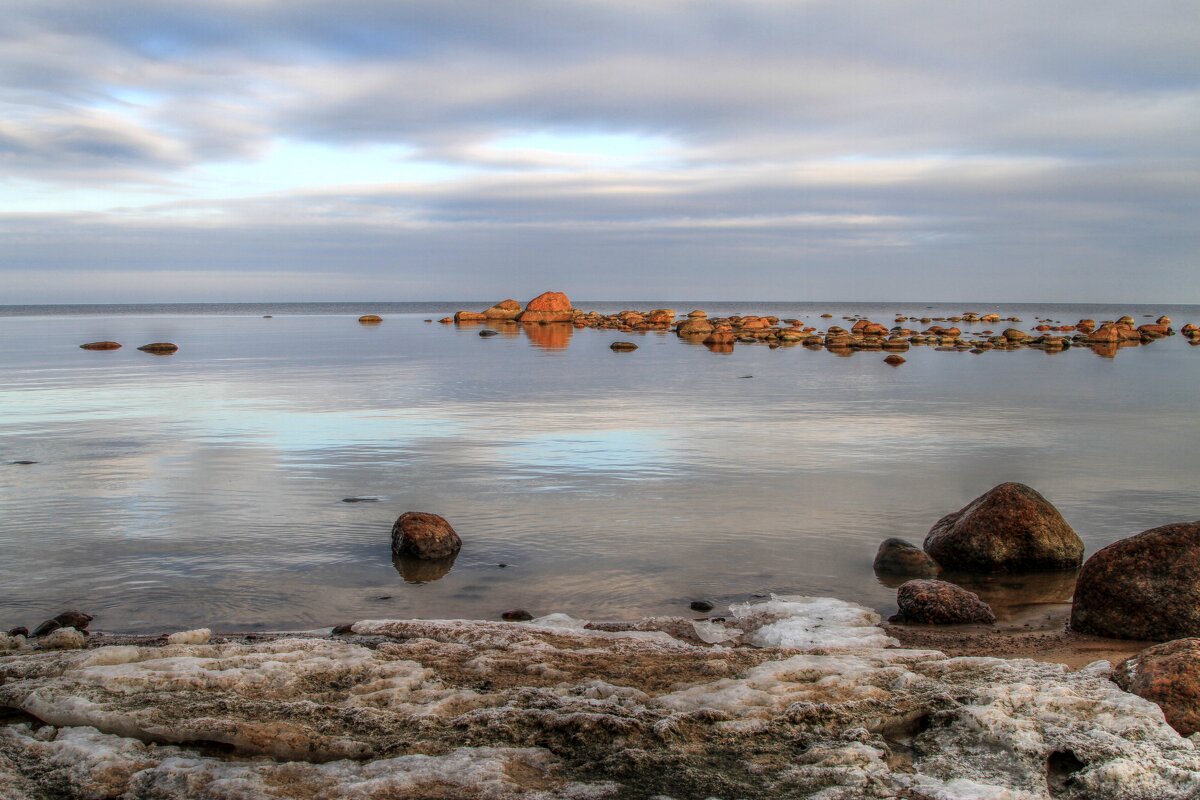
(556, 709)
(1167, 675)
(417, 534)
(101, 346)
(941, 603)
(1143, 587)
(516, 615)
(1010, 528)
(898, 557)
(623, 347)
(370, 319)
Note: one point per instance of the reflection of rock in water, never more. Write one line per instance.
(557, 710)
(549, 335)
(419, 570)
(1010, 595)
(724, 348)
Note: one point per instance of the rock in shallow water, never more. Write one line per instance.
(1009, 528)
(941, 603)
(417, 534)
(101, 346)
(898, 557)
(455, 709)
(160, 348)
(1143, 587)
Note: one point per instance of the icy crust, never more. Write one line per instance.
(562, 708)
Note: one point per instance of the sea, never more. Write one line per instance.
(209, 487)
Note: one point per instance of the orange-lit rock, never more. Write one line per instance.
(505, 309)
(548, 307)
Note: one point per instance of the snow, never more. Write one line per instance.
(197, 636)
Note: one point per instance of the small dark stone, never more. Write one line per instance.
(898, 557)
(516, 615)
(502, 565)
(623, 347)
(74, 619)
(360, 499)
(23, 462)
(159, 348)
(745, 376)
(19, 631)
(429, 320)
(701, 605)
(384, 597)
(46, 627)
(343, 630)
(266, 316)
(486, 332)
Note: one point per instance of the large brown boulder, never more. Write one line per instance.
(419, 535)
(695, 326)
(101, 346)
(469, 316)
(505, 309)
(548, 307)
(1143, 587)
(898, 557)
(1167, 675)
(940, 603)
(1010, 528)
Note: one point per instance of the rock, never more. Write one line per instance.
(101, 346)
(516, 615)
(362, 499)
(898, 557)
(623, 347)
(695, 326)
(345, 629)
(1010, 528)
(1167, 675)
(548, 307)
(941, 603)
(1015, 335)
(697, 314)
(469, 316)
(446, 320)
(1144, 587)
(1163, 320)
(505, 309)
(488, 332)
(159, 348)
(67, 619)
(370, 319)
(416, 534)
(197, 636)
(895, 360)
(701, 605)
(62, 639)
(20, 630)
(24, 462)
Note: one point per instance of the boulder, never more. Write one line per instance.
(1010, 528)
(505, 309)
(548, 307)
(894, 360)
(67, 619)
(1143, 587)
(940, 603)
(370, 319)
(1016, 335)
(159, 348)
(898, 557)
(469, 316)
(1167, 675)
(623, 347)
(101, 346)
(417, 534)
(695, 326)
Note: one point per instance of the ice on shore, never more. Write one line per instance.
(821, 706)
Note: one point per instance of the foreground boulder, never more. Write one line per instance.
(419, 535)
(1010, 528)
(548, 307)
(1143, 587)
(1169, 676)
(940, 603)
(898, 557)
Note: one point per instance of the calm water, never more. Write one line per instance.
(206, 488)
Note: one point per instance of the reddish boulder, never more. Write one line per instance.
(370, 319)
(160, 348)
(940, 603)
(548, 307)
(505, 309)
(428, 536)
(1167, 675)
(894, 360)
(1143, 587)
(1010, 528)
(101, 346)
(898, 557)
(469, 316)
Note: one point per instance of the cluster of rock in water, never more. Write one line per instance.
(722, 333)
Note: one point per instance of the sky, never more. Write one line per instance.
(303, 150)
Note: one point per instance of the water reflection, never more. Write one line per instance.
(420, 570)
(549, 335)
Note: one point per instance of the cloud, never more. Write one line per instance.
(779, 136)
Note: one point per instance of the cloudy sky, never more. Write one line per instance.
(174, 150)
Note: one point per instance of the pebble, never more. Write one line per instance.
(701, 605)
(623, 347)
(23, 462)
(360, 499)
(486, 332)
